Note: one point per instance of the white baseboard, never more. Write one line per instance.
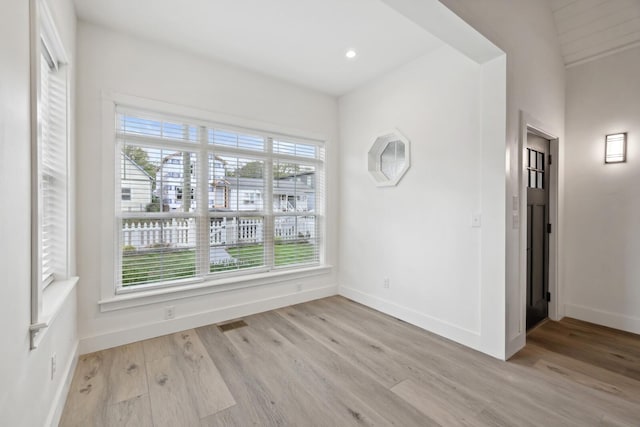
(163, 327)
(515, 345)
(59, 400)
(604, 318)
(437, 326)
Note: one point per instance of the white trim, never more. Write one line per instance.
(113, 298)
(157, 295)
(208, 118)
(466, 337)
(195, 320)
(50, 36)
(60, 398)
(133, 105)
(605, 318)
(529, 124)
(269, 220)
(36, 290)
(46, 297)
(52, 300)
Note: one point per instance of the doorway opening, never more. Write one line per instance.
(536, 219)
(538, 226)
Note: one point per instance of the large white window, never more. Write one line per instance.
(198, 201)
(51, 162)
(49, 172)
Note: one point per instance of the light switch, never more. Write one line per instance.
(516, 203)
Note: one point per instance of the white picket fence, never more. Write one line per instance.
(181, 232)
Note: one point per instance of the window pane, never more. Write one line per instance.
(541, 161)
(392, 159)
(294, 187)
(142, 126)
(158, 179)
(236, 184)
(295, 149)
(234, 139)
(52, 171)
(532, 179)
(295, 240)
(158, 250)
(236, 243)
(540, 183)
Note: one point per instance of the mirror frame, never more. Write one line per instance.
(375, 158)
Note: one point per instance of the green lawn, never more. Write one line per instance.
(156, 267)
(294, 253)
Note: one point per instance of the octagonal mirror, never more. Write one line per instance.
(389, 158)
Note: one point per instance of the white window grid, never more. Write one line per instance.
(277, 148)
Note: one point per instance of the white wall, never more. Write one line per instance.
(418, 234)
(110, 61)
(28, 397)
(602, 243)
(526, 31)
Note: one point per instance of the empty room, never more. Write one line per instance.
(320, 213)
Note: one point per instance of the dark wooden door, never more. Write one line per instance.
(537, 161)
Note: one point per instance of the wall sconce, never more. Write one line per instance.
(615, 148)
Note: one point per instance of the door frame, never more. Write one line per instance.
(529, 124)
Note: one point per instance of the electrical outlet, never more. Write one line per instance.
(386, 283)
(53, 366)
(169, 312)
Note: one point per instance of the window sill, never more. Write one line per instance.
(53, 298)
(158, 295)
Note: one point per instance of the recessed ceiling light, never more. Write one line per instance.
(350, 54)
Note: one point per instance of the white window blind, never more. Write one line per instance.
(52, 169)
(296, 185)
(49, 172)
(198, 201)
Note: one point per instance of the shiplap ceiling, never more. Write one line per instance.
(301, 41)
(589, 29)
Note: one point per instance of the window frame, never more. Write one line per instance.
(114, 295)
(48, 294)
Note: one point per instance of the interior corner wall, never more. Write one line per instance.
(114, 62)
(418, 234)
(525, 31)
(28, 396)
(602, 238)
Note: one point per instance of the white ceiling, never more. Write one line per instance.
(301, 41)
(588, 29)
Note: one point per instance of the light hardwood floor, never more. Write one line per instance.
(333, 362)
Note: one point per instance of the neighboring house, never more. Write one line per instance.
(171, 182)
(294, 193)
(136, 184)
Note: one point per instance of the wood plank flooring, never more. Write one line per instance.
(333, 362)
